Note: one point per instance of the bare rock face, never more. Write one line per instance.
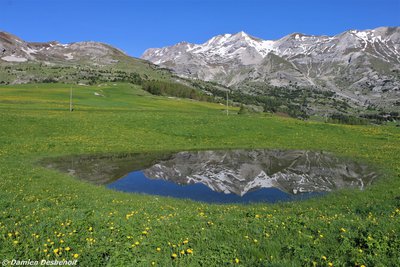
(361, 66)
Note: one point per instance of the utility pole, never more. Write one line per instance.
(227, 99)
(70, 100)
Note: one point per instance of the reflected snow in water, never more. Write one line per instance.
(222, 176)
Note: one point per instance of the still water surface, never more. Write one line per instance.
(222, 176)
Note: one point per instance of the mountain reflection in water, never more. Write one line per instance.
(242, 171)
(222, 176)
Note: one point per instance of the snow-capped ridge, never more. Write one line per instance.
(347, 64)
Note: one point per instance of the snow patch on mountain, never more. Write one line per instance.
(14, 59)
(69, 56)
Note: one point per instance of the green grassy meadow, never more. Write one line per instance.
(49, 215)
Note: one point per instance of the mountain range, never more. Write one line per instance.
(351, 73)
(362, 67)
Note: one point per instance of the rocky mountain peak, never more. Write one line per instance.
(244, 37)
(361, 66)
(9, 38)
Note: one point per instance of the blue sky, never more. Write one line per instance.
(134, 26)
